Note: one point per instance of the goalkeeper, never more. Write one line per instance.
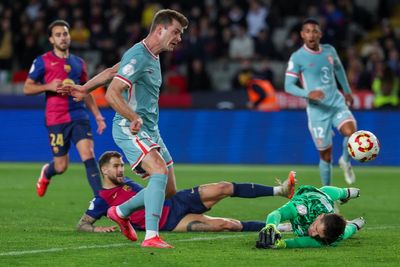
(312, 217)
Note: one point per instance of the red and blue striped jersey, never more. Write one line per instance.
(118, 195)
(60, 108)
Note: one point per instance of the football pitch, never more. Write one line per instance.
(41, 231)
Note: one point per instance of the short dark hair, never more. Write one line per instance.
(166, 16)
(309, 21)
(107, 156)
(55, 23)
(334, 227)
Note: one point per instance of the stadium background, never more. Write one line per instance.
(205, 122)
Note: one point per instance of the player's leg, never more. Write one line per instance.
(325, 166)
(154, 195)
(321, 133)
(141, 150)
(59, 138)
(204, 223)
(346, 125)
(82, 137)
(170, 189)
(171, 183)
(341, 194)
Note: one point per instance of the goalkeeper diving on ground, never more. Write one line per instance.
(311, 214)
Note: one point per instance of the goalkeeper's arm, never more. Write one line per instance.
(308, 242)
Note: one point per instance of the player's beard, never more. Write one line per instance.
(62, 47)
(117, 180)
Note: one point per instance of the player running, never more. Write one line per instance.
(182, 212)
(315, 65)
(66, 120)
(311, 213)
(133, 94)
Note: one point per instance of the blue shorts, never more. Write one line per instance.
(61, 135)
(182, 203)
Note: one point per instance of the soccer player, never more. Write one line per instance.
(66, 120)
(133, 93)
(183, 211)
(311, 213)
(315, 65)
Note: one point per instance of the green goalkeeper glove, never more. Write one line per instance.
(269, 237)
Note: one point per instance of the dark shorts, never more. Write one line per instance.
(61, 135)
(184, 202)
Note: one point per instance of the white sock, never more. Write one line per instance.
(119, 213)
(277, 190)
(150, 234)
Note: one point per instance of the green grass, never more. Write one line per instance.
(41, 231)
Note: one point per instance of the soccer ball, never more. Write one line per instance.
(363, 146)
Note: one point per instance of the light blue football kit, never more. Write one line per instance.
(316, 70)
(140, 70)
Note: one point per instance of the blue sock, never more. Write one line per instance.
(51, 171)
(252, 226)
(93, 175)
(154, 200)
(325, 171)
(247, 190)
(135, 202)
(345, 153)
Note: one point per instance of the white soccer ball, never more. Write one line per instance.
(363, 146)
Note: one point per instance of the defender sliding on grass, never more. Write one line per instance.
(182, 212)
(313, 219)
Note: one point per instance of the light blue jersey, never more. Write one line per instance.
(140, 70)
(317, 70)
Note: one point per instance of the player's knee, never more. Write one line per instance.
(225, 188)
(61, 167)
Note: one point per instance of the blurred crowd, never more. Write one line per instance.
(239, 32)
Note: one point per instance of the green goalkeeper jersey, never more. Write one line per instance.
(306, 205)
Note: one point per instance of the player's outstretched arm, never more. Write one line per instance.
(79, 92)
(86, 224)
(353, 226)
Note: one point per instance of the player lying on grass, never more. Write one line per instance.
(182, 212)
(313, 220)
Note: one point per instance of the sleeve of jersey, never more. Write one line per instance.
(292, 76)
(350, 230)
(284, 213)
(37, 69)
(130, 69)
(97, 208)
(302, 242)
(340, 73)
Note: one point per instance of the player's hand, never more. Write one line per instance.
(54, 85)
(104, 229)
(316, 95)
(269, 237)
(135, 125)
(101, 124)
(349, 99)
(78, 92)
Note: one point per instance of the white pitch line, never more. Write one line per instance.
(194, 239)
(23, 252)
